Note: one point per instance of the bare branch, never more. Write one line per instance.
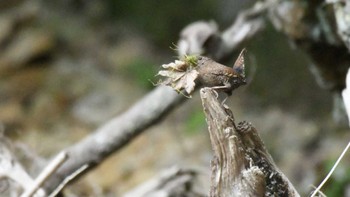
(116, 133)
(11, 168)
(170, 182)
(67, 180)
(44, 175)
(317, 190)
(204, 37)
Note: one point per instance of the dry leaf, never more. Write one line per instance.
(187, 82)
(190, 78)
(178, 65)
(180, 75)
(174, 75)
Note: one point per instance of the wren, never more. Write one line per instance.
(221, 77)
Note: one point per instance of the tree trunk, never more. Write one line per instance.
(241, 165)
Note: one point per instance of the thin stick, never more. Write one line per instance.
(332, 170)
(68, 179)
(44, 175)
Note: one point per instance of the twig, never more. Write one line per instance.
(67, 180)
(174, 181)
(332, 170)
(45, 174)
(11, 168)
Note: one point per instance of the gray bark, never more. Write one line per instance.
(241, 165)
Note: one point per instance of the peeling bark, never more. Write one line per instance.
(241, 165)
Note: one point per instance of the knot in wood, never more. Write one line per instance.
(244, 126)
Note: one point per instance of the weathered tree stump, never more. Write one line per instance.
(241, 165)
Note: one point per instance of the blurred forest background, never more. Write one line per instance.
(67, 67)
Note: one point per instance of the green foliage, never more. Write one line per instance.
(195, 122)
(191, 60)
(162, 20)
(142, 71)
(336, 185)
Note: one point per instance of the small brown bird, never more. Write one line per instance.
(221, 77)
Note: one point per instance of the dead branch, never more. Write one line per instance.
(12, 169)
(204, 37)
(119, 131)
(241, 165)
(149, 110)
(170, 182)
(116, 133)
(67, 180)
(45, 174)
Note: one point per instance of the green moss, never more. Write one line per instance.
(336, 185)
(141, 71)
